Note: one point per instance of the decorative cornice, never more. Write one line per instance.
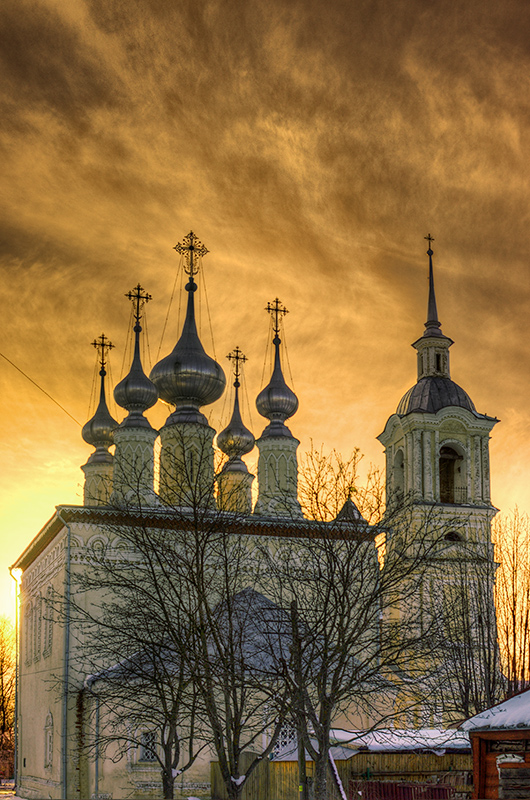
(172, 520)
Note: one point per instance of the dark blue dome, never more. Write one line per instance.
(431, 394)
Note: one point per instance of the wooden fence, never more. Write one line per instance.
(278, 780)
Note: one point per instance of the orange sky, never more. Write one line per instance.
(311, 146)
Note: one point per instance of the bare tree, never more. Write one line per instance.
(327, 480)
(356, 625)
(166, 623)
(512, 595)
(218, 627)
(470, 676)
(7, 685)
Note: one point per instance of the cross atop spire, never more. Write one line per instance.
(192, 249)
(238, 357)
(277, 311)
(429, 239)
(139, 300)
(104, 346)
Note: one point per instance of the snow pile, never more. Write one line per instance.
(347, 743)
(512, 713)
(336, 752)
(436, 740)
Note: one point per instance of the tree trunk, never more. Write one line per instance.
(321, 775)
(168, 783)
(302, 776)
(233, 790)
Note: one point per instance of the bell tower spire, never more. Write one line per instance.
(99, 432)
(433, 325)
(432, 346)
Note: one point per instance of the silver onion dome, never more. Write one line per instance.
(136, 393)
(188, 377)
(276, 401)
(99, 431)
(236, 440)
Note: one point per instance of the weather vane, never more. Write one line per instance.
(103, 345)
(238, 358)
(277, 311)
(192, 249)
(139, 300)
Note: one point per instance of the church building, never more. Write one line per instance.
(437, 458)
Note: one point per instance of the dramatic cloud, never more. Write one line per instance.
(311, 146)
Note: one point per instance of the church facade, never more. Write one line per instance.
(437, 456)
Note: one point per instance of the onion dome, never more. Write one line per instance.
(99, 431)
(432, 393)
(188, 377)
(276, 401)
(236, 440)
(136, 393)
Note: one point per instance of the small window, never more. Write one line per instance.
(438, 362)
(148, 746)
(453, 536)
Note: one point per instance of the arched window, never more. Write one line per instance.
(48, 741)
(148, 746)
(450, 461)
(399, 473)
(453, 536)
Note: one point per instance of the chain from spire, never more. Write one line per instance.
(238, 357)
(104, 346)
(277, 311)
(139, 300)
(192, 249)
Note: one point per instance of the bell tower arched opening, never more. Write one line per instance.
(452, 489)
(399, 473)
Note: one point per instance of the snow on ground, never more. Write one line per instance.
(512, 713)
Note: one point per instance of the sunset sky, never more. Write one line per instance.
(311, 146)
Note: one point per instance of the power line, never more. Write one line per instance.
(41, 389)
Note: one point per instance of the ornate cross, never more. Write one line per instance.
(139, 300)
(277, 311)
(103, 345)
(238, 358)
(429, 239)
(191, 248)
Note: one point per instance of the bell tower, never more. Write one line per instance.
(437, 469)
(437, 444)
